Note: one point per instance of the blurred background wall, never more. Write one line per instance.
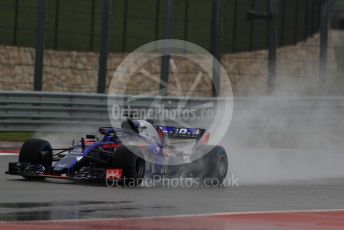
(72, 41)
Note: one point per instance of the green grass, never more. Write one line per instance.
(74, 23)
(15, 136)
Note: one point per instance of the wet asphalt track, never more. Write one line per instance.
(56, 199)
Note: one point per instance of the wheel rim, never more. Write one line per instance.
(140, 167)
(222, 165)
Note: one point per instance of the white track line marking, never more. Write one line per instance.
(9, 154)
(178, 216)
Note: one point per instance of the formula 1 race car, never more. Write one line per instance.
(128, 154)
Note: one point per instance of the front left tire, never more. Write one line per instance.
(36, 152)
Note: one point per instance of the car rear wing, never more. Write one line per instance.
(185, 133)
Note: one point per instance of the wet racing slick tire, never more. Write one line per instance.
(36, 152)
(133, 165)
(211, 169)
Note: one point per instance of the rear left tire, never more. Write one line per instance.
(133, 166)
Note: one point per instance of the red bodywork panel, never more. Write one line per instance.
(114, 173)
(111, 146)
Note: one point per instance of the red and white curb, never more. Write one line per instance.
(275, 220)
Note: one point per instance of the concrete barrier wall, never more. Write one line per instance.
(77, 71)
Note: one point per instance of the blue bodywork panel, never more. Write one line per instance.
(67, 163)
(118, 136)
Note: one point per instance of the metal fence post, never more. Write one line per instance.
(282, 22)
(15, 26)
(39, 57)
(273, 42)
(186, 19)
(324, 40)
(56, 27)
(216, 41)
(104, 45)
(313, 12)
(125, 26)
(93, 10)
(306, 34)
(168, 33)
(157, 19)
(235, 19)
(251, 34)
(296, 22)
